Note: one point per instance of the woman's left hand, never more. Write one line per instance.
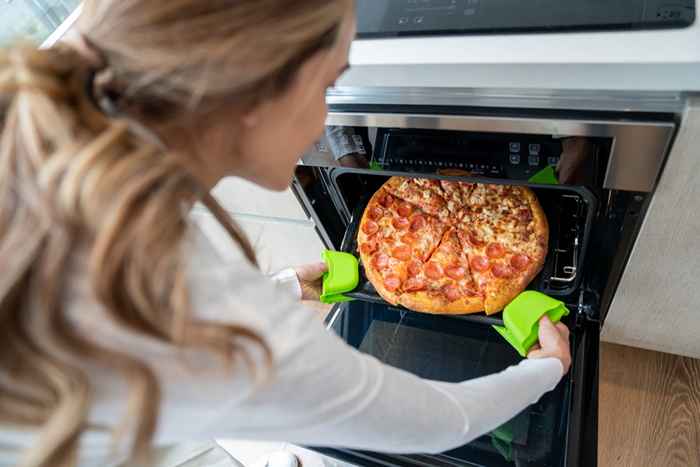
(310, 278)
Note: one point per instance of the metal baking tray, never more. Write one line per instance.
(569, 210)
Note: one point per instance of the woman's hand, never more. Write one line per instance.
(310, 278)
(554, 342)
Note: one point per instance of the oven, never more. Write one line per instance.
(608, 165)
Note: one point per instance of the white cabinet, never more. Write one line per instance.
(274, 222)
(241, 197)
(657, 305)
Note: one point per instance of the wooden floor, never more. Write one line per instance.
(649, 411)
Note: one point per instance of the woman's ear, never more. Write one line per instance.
(257, 113)
(251, 118)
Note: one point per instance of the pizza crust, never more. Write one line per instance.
(540, 224)
(425, 303)
(501, 292)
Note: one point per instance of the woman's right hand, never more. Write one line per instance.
(554, 342)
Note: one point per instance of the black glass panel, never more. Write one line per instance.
(379, 18)
(449, 349)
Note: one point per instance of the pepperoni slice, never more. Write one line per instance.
(479, 263)
(495, 250)
(452, 292)
(380, 261)
(520, 262)
(433, 270)
(370, 228)
(417, 223)
(405, 209)
(401, 223)
(409, 239)
(402, 252)
(392, 283)
(455, 272)
(376, 213)
(415, 267)
(414, 284)
(387, 200)
(502, 271)
(368, 247)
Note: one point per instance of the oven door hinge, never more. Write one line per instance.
(588, 307)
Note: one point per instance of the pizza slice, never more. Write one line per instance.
(493, 274)
(392, 233)
(443, 284)
(456, 195)
(380, 255)
(501, 266)
(422, 192)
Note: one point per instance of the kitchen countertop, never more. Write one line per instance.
(657, 60)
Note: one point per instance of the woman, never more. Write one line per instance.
(121, 327)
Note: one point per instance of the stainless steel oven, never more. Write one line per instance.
(595, 214)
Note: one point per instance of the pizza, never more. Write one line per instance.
(451, 247)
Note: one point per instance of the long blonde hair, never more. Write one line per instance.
(77, 175)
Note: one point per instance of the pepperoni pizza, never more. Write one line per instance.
(452, 247)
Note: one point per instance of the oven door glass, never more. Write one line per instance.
(456, 349)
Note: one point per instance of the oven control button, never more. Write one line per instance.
(533, 160)
(515, 159)
(535, 149)
(321, 147)
(514, 147)
(403, 20)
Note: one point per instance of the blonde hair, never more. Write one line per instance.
(77, 175)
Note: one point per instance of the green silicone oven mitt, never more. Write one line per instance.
(546, 176)
(343, 276)
(521, 318)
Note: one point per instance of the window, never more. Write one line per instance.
(32, 20)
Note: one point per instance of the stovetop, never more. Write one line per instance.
(391, 18)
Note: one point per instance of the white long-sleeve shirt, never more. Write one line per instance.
(319, 391)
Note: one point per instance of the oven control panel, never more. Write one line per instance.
(515, 157)
(392, 18)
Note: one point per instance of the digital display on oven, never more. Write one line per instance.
(379, 18)
(517, 157)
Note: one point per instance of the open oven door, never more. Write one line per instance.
(559, 430)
